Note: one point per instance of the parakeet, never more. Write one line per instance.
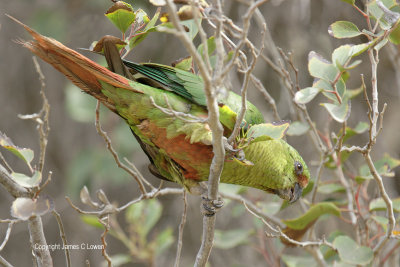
(178, 140)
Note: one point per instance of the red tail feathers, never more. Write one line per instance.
(82, 71)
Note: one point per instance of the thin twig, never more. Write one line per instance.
(63, 238)
(8, 232)
(245, 85)
(136, 175)
(180, 234)
(253, 208)
(4, 263)
(278, 233)
(103, 239)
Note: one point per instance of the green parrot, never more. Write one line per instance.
(177, 139)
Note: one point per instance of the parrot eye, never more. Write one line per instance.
(298, 168)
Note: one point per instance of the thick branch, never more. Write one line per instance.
(39, 241)
(12, 187)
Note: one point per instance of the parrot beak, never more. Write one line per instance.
(291, 194)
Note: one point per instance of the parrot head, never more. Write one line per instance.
(281, 169)
(295, 174)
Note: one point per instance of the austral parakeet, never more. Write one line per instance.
(178, 146)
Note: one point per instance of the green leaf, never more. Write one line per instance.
(330, 188)
(183, 63)
(350, 252)
(320, 67)
(121, 15)
(351, 2)
(378, 204)
(92, 221)
(328, 251)
(351, 93)
(24, 208)
(25, 154)
(383, 167)
(381, 44)
(231, 238)
(328, 89)
(385, 19)
(144, 215)
(140, 35)
(164, 240)
(339, 113)
(357, 50)
(306, 95)
(360, 128)
(394, 36)
(265, 131)
(26, 181)
(189, 25)
(312, 214)
(297, 128)
(120, 259)
(211, 46)
(341, 56)
(343, 29)
(298, 261)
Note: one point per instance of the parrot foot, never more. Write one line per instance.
(228, 147)
(210, 207)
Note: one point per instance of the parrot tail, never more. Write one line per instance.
(83, 72)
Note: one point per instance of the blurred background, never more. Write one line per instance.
(76, 153)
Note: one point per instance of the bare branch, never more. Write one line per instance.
(181, 227)
(63, 238)
(4, 263)
(253, 208)
(245, 85)
(106, 225)
(134, 173)
(8, 232)
(38, 240)
(277, 232)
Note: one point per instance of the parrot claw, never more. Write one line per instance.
(210, 207)
(228, 147)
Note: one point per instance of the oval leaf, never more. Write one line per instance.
(339, 113)
(350, 252)
(27, 181)
(320, 67)
(121, 15)
(297, 128)
(306, 95)
(231, 238)
(379, 204)
(24, 208)
(331, 188)
(266, 131)
(25, 154)
(343, 29)
(299, 261)
(312, 214)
